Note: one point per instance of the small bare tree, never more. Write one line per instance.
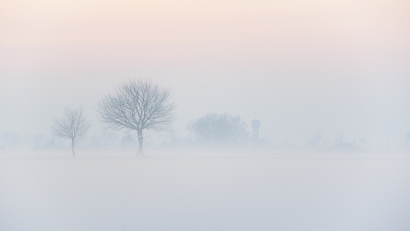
(138, 105)
(315, 139)
(340, 138)
(408, 139)
(72, 125)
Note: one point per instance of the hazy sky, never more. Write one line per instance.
(298, 66)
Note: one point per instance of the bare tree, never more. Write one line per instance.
(138, 105)
(72, 125)
(219, 129)
(408, 139)
(315, 139)
(340, 138)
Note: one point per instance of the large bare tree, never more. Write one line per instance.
(138, 105)
(72, 125)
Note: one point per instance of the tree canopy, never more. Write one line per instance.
(72, 125)
(219, 129)
(138, 105)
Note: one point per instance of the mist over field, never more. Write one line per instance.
(204, 115)
(298, 67)
(259, 193)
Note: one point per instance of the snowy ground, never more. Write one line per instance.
(205, 193)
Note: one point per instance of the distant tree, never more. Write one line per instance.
(72, 125)
(104, 140)
(219, 129)
(339, 138)
(408, 139)
(10, 139)
(39, 141)
(128, 141)
(138, 105)
(315, 139)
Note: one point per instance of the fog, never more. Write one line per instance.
(328, 81)
(300, 68)
(205, 194)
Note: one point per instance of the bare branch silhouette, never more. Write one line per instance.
(138, 105)
(72, 125)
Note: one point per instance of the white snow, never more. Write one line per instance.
(205, 193)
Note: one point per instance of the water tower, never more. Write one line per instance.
(255, 126)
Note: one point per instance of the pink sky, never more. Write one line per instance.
(51, 29)
(292, 55)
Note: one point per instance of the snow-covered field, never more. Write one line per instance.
(205, 193)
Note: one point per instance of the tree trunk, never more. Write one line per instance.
(72, 147)
(140, 143)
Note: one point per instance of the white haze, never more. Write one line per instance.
(182, 194)
(305, 69)
(372, 105)
(299, 67)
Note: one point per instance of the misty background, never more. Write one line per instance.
(329, 82)
(301, 68)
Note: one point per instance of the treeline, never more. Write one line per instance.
(143, 109)
(140, 108)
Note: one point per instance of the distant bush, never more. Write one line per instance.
(10, 140)
(219, 129)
